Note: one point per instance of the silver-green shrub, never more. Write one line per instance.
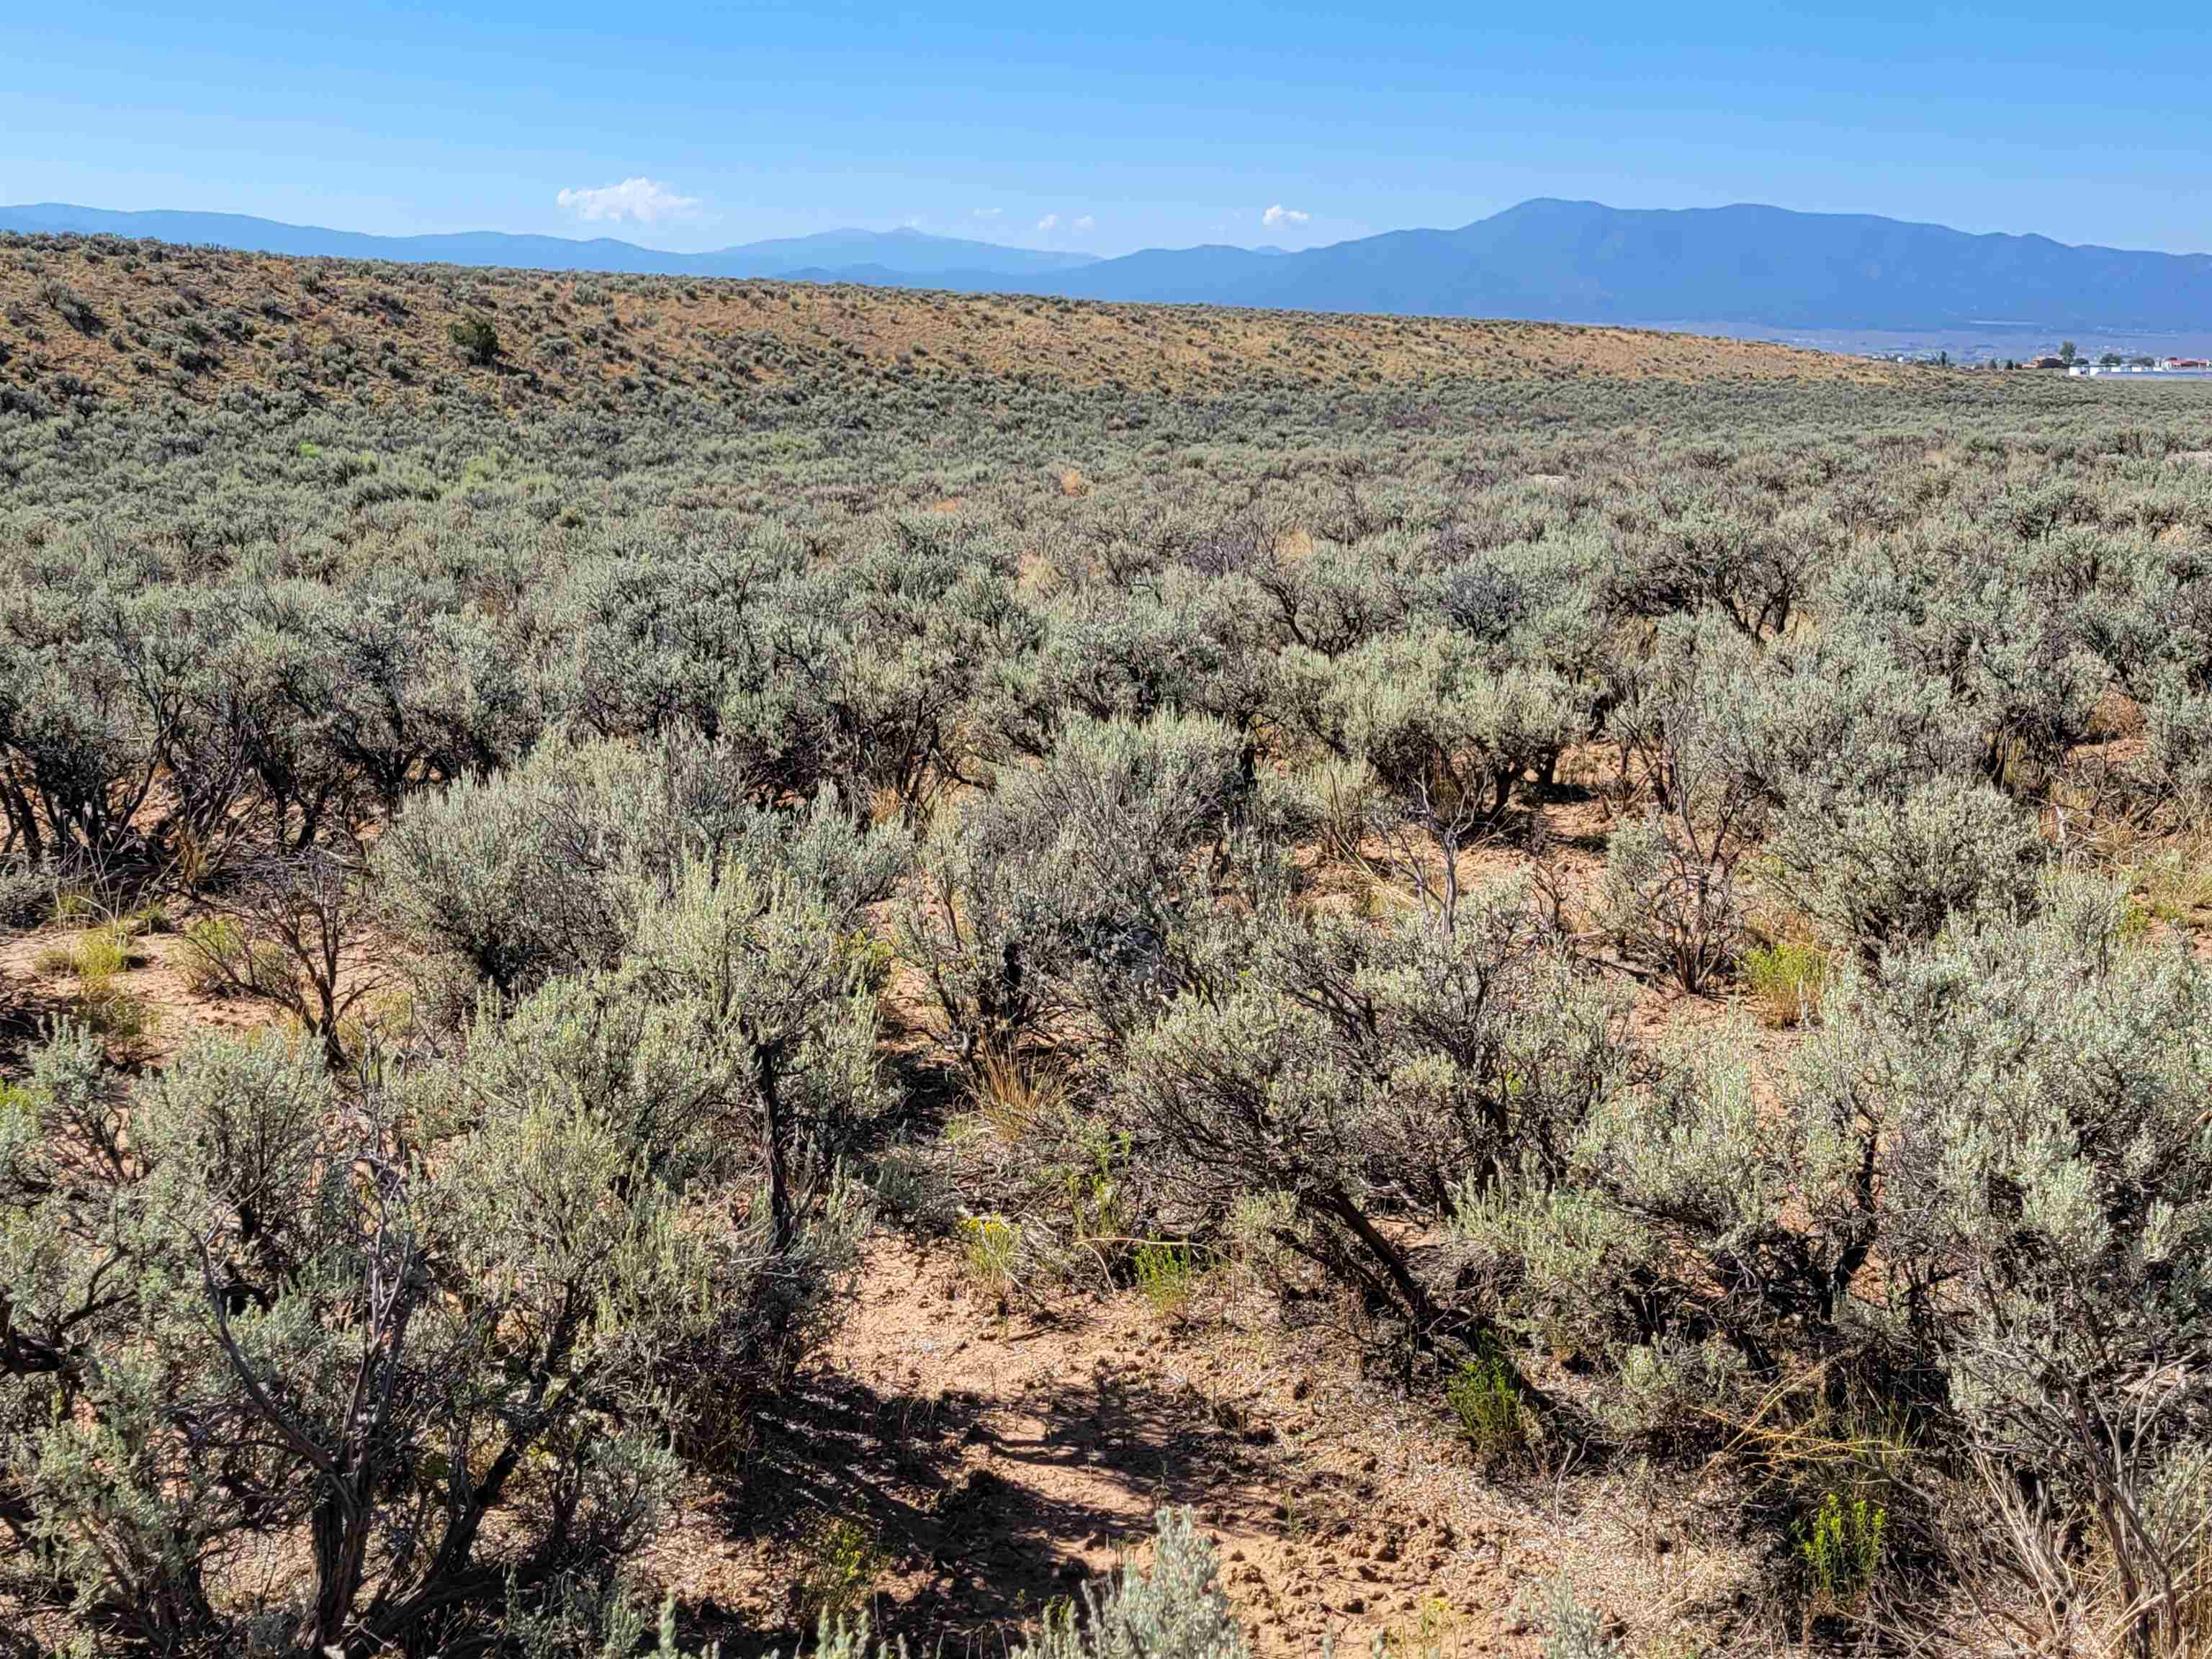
(1083, 889)
(1879, 871)
(1175, 1610)
(538, 871)
(1357, 1072)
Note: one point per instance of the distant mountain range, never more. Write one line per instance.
(1548, 260)
(906, 253)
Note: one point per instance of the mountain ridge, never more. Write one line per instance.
(905, 250)
(1547, 258)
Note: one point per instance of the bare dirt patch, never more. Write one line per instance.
(1000, 1461)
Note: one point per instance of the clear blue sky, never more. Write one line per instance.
(1107, 127)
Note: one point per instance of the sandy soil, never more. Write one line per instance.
(1002, 1460)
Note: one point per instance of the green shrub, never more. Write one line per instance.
(559, 1163)
(122, 1018)
(993, 1254)
(1485, 1395)
(2039, 1087)
(101, 954)
(1785, 980)
(1693, 735)
(1668, 906)
(1343, 794)
(540, 871)
(1079, 894)
(221, 955)
(1450, 739)
(1360, 1071)
(1840, 1546)
(475, 338)
(1165, 1275)
(840, 1560)
(1880, 871)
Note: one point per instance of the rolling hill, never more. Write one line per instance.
(86, 322)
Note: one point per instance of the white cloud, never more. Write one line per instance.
(1086, 223)
(1050, 221)
(988, 213)
(642, 201)
(1279, 214)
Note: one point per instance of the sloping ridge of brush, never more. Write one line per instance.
(85, 318)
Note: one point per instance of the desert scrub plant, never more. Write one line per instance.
(1657, 1250)
(2051, 1071)
(1082, 893)
(393, 1017)
(1449, 739)
(207, 941)
(992, 1250)
(1095, 1182)
(729, 592)
(71, 307)
(77, 906)
(26, 894)
(1361, 1072)
(1691, 735)
(477, 338)
(538, 870)
(296, 939)
(562, 1166)
(96, 955)
(1877, 871)
(840, 1559)
(1166, 1276)
(1484, 1394)
(1175, 1609)
(1785, 978)
(1573, 1630)
(1839, 1550)
(219, 958)
(100, 954)
(1436, 1631)
(1344, 796)
(122, 1018)
(1668, 905)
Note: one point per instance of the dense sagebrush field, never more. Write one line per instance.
(778, 956)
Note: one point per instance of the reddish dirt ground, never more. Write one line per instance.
(1002, 1460)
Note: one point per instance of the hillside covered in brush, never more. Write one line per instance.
(103, 317)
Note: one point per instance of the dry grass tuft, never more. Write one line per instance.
(1014, 1097)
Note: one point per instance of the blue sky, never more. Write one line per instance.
(1107, 128)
